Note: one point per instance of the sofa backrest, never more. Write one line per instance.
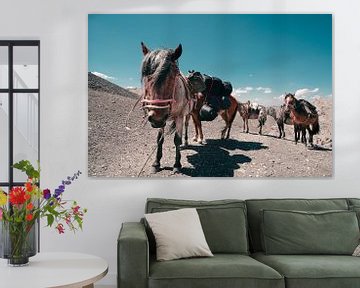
(223, 221)
(256, 205)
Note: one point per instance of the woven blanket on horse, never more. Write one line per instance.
(217, 92)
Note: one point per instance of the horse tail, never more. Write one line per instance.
(315, 128)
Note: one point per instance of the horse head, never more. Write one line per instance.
(196, 80)
(290, 102)
(158, 74)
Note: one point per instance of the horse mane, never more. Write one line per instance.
(157, 64)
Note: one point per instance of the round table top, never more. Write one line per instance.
(58, 269)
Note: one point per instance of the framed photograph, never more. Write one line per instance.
(210, 95)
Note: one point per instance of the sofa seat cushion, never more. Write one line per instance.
(313, 271)
(222, 270)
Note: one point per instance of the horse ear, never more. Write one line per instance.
(177, 53)
(145, 50)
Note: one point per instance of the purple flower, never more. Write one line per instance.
(64, 183)
(57, 193)
(46, 194)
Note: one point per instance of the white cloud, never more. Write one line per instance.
(104, 76)
(265, 90)
(240, 91)
(281, 97)
(249, 88)
(305, 92)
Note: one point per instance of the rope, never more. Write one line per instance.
(128, 116)
(169, 132)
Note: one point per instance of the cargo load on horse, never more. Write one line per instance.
(213, 97)
(216, 95)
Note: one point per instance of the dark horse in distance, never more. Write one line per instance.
(213, 97)
(166, 96)
(282, 116)
(303, 113)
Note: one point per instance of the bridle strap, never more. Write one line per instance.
(154, 103)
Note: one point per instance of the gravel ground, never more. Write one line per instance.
(116, 152)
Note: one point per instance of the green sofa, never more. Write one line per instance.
(236, 234)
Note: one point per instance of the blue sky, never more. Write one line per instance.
(263, 55)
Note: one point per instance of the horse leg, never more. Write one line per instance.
(187, 118)
(230, 114)
(283, 130)
(199, 137)
(224, 115)
(303, 135)
(310, 137)
(247, 125)
(193, 116)
(280, 131)
(177, 142)
(260, 128)
(160, 141)
(296, 134)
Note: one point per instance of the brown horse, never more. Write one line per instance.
(252, 111)
(166, 96)
(281, 116)
(202, 87)
(303, 113)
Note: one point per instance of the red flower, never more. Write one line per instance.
(29, 217)
(29, 206)
(27, 196)
(60, 228)
(28, 186)
(17, 196)
(75, 209)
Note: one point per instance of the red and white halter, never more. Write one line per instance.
(161, 103)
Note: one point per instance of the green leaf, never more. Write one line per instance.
(50, 219)
(28, 168)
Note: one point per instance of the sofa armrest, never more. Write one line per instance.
(133, 256)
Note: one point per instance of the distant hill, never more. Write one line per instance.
(99, 84)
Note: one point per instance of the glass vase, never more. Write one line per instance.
(18, 242)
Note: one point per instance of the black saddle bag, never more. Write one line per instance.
(207, 113)
(227, 88)
(225, 102)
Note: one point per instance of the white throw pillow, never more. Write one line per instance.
(178, 234)
(357, 251)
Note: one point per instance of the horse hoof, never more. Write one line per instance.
(202, 142)
(194, 139)
(177, 170)
(185, 145)
(155, 169)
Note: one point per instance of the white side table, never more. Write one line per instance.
(50, 270)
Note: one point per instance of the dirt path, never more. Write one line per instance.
(116, 152)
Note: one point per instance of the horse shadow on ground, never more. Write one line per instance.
(214, 159)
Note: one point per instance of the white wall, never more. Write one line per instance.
(61, 25)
